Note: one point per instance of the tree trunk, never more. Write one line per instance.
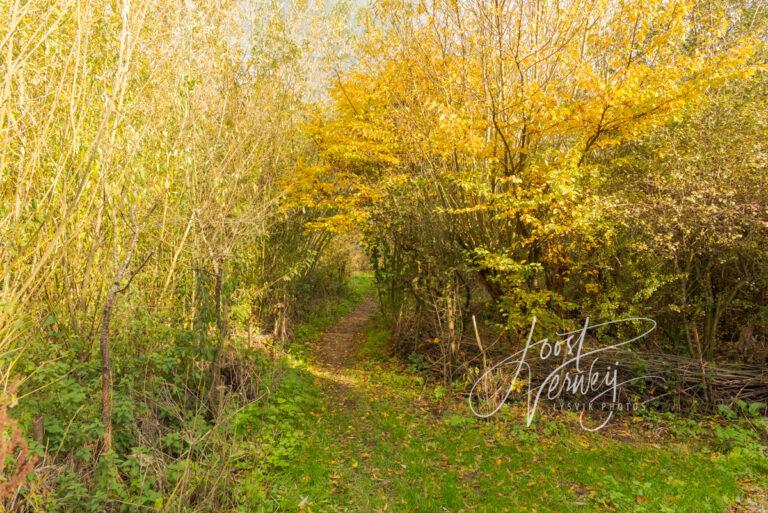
(106, 367)
(221, 328)
(106, 370)
(702, 364)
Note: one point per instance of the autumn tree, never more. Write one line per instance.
(467, 132)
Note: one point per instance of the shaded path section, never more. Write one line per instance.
(338, 346)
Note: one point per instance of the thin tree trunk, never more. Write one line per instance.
(106, 366)
(702, 364)
(221, 328)
(106, 370)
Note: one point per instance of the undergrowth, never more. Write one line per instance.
(171, 452)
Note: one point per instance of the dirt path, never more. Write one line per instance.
(368, 443)
(338, 346)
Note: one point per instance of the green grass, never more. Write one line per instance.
(379, 442)
(375, 347)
